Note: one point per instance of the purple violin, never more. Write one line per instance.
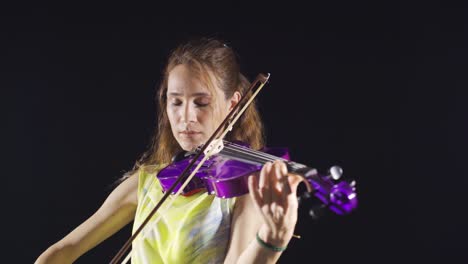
(225, 175)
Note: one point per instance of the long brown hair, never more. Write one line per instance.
(207, 57)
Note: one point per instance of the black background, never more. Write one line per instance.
(374, 87)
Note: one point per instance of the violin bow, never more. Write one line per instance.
(211, 147)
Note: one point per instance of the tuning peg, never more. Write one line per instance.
(310, 206)
(317, 211)
(353, 185)
(336, 172)
(303, 197)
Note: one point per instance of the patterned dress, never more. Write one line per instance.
(195, 230)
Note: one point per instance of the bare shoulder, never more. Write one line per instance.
(126, 192)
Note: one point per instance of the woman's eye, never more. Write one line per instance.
(202, 103)
(176, 102)
(197, 103)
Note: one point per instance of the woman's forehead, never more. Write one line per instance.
(183, 81)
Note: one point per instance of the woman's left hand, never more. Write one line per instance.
(274, 196)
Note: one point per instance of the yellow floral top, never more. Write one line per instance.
(196, 229)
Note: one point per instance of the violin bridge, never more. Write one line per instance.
(214, 147)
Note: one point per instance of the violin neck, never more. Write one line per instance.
(255, 157)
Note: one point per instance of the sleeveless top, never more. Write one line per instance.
(196, 229)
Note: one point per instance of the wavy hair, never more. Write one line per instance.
(215, 63)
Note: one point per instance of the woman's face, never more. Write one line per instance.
(194, 112)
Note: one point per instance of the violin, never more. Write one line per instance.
(225, 175)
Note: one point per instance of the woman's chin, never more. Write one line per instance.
(189, 145)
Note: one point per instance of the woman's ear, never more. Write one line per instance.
(234, 100)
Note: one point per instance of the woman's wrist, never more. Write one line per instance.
(278, 238)
(270, 246)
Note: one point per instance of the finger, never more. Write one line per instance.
(275, 182)
(285, 194)
(264, 183)
(284, 179)
(259, 202)
(294, 181)
(254, 191)
(288, 198)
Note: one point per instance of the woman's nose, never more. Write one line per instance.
(189, 114)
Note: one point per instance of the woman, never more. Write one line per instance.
(201, 84)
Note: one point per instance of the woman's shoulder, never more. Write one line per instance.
(151, 168)
(147, 172)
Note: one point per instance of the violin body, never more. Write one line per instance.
(226, 175)
(219, 175)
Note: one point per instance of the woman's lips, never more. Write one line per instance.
(189, 133)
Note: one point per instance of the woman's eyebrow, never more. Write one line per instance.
(193, 94)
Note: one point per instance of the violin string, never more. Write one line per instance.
(235, 155)
(267, 156)
(240, 153)
(255, 156)
(254, 153)
(245, 154)
(270, 157)
(234, 150)
(237, 146)
(243, 149)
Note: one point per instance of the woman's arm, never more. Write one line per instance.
(270, 210)
(117, 211)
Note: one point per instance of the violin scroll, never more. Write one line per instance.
(338, 196)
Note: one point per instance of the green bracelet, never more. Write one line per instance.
(269, 246)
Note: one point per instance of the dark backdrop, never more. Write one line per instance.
(375, 88)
